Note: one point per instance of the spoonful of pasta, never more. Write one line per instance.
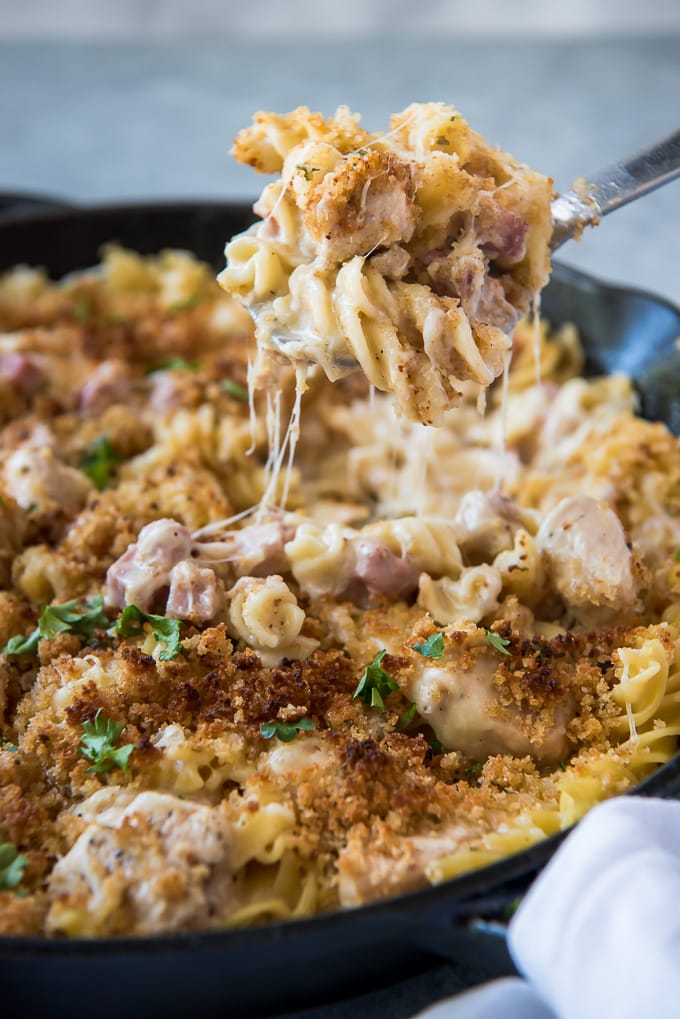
(409, 254)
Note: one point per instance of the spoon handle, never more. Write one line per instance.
(589, 199)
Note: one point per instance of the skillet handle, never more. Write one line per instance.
(474, 934)
(19, 204)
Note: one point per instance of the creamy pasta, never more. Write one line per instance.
(238, 686)
(410, 254)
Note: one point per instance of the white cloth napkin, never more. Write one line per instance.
(598, 935)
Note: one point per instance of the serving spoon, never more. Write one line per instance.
(584, 204)
(591, 198)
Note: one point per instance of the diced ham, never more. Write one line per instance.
(109, 383)
(500, 232)
(166, 391)
(258, 549)
(23, 372)
(493, 308)
(466, 276)
(584, 549)
(195, 593)
(144, 569)
(383, 572)
(458, 274)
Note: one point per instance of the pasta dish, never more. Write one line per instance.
(271, 645)
(410, 254)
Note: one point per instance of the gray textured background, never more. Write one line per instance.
(108, 120)
(167, 19)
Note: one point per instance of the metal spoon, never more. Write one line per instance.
(591, 198)
(584, 204)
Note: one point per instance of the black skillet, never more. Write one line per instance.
(283, 966)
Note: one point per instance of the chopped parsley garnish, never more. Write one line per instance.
(167, 631)
(307, 171)
(32, 507)
(408, 717)
(496, 641)
(537, 648)
(433, 647)
(99, 745)
(677, 556)
(563, 765)
(6, 744)
(177, 364)
(19, 645)
(82, 308)
(510, 908)
(98, 459)
(285, 731)
(474, 769)
(237, 391)
(443, 140)
(185, 303)
(12, 866)
(436, 747)
(375, 684)
(361, 152)
(70, 617)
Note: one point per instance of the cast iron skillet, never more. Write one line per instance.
(283, 966)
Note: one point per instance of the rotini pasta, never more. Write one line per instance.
(408, 255)
(237, 688)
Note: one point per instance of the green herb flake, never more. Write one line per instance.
(98, 460)
(307, 171)
(73, 617)
(99, 745)
(12, 866)
(32, 507)
(443, 140)
(285, 731)
(563, 765)
(474, 769)
(375, 684)
(83, 308)
(510, 908)
(361, 152)
(676, 557)
(167, 631)
(185, 304)
(19, 645)
(235, 390)
(436, 747)
(408, 717)
(177, 364)
(6, 744)
(69, 617)
(433, 647)
(497, 642)
(537, 648)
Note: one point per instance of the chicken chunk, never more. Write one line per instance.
(584, 549)
(110, 382)
(459, 696)
(35, 476)
(145, 863)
